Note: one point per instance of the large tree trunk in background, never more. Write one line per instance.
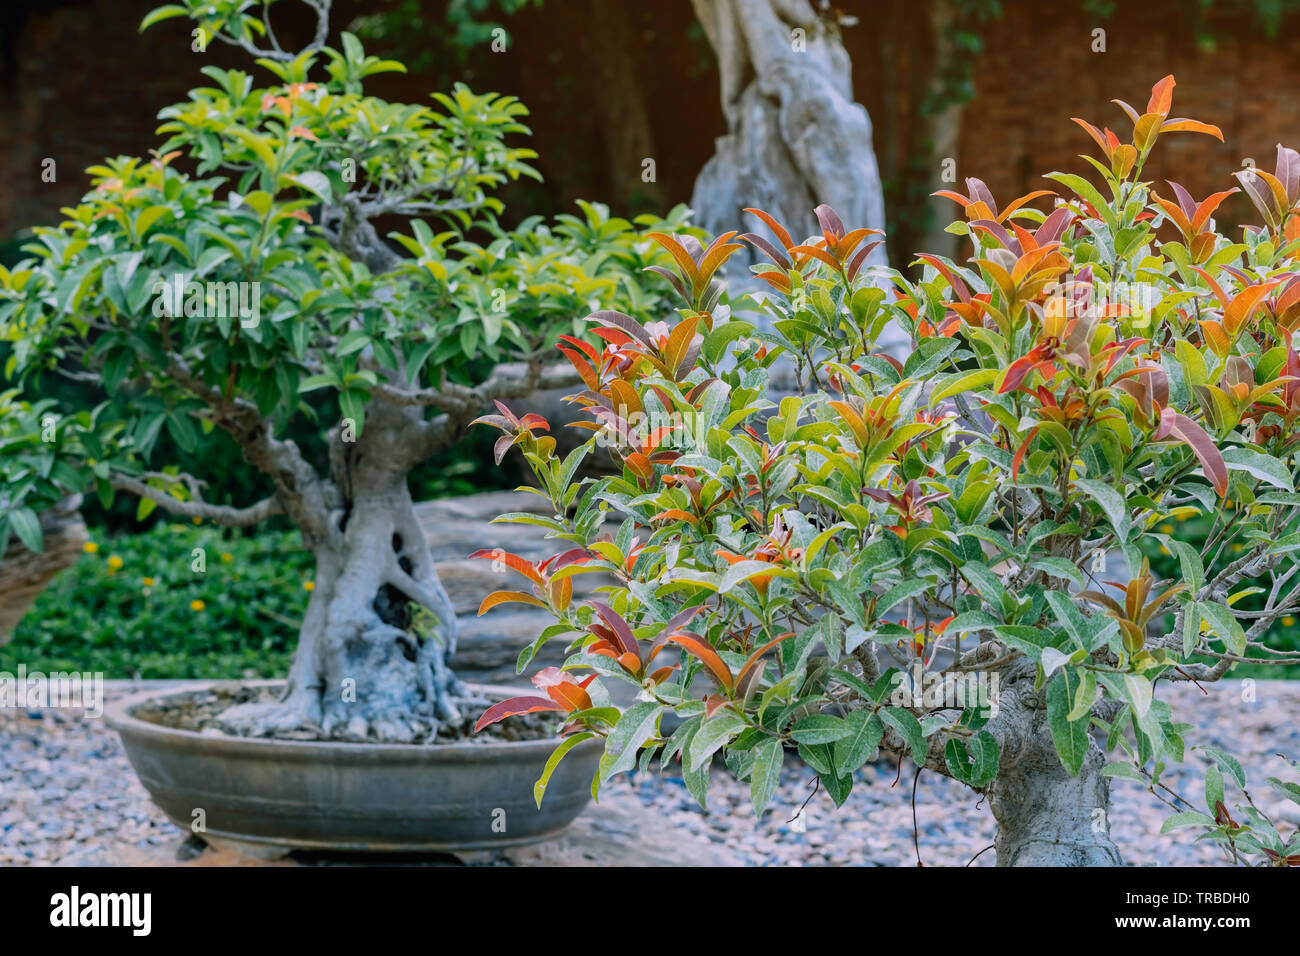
(360, 670)
(795, 138)
(1045, 816)
(941, 129)
(619, 100)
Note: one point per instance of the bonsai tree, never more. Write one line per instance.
(946, 557)
(256, 288)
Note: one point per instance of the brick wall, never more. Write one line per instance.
(1038, 70)
(79, 83)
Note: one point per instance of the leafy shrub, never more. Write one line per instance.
(255, 291)
(788, 570)
(135, 606)
(36, 451)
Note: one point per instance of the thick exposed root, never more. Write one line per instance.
(298, 715)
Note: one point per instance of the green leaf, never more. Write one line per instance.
(963, 382)
(162, 13)
(1263, 467)
(909, 728)
(743, 571)
(1187, 818)
(1086, 191)
(1213, 788)
(638, 724)
(539, 788)
(900, 593)
(1192, 566)
(1112, 505)
(27, 526)
(1060, 568)
(820, 729)
(1223, 625)
(1118, 768)
(352, 402)
(855, 748)
(1227, 762)
(1140, 694)
(766, 774)
(354, 341)
(1070, 737)
(974, 762)
(711, 737)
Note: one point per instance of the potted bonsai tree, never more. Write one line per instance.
(256, 287)
(919, 556)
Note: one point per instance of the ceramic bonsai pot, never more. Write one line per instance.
(268, 797)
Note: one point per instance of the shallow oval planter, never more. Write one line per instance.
(284, 795)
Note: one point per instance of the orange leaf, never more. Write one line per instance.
(676, 514)
(524, 567)
(1191, 126)
(778, 229)
(512, 707)
(1162, 96)
(679, 253)
(507, 597)
(707, 655)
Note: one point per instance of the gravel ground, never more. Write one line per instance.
(68, 794)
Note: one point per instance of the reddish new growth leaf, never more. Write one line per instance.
(911, 506)
(564, 694)
(549, 585)
(514, 429)
(697, 266)
(1275, 195)
(980, 205)
(1177, 425)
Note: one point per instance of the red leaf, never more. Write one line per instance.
(507, 597)
(513, 707)
(775, 226)
(708, 655)
(622, 632)
(1195, 437)
(511, 561)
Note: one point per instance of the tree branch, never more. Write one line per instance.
(224, 515)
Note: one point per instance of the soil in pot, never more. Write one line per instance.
(201, 712)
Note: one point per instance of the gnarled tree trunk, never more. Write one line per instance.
(795, 138)
(361, 671)
(1045, 816)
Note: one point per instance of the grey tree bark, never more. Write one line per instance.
(795, 137)
(360, 670)
(1045, 816)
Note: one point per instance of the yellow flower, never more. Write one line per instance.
(1288, 621)
(1166, 529)
(197, 605)
(90, 547)
(197, 520)
(114, 562)
(226, 557)
(147, 582)
(309, 585)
